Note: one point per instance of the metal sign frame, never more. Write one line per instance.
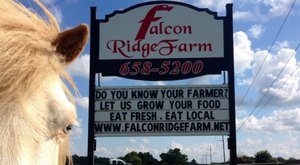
(227, 64)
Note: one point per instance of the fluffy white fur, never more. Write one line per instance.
(34, 128)
(35, 105)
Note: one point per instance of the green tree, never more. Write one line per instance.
(263, 157)
(281, 159)
(193, 162)
(292, 160)
(273, 160)
(147, 159)
(101, 160)
(245, 159)
(174, 157)
(133, 158)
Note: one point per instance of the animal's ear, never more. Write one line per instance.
(71, 42)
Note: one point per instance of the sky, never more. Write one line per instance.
(267, 96)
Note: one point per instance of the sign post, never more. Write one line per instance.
(155, 41)
(94, 51)
(229, 51)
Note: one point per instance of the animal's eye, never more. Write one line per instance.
(68, 128)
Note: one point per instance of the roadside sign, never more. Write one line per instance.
(162, 40)
(162, 110)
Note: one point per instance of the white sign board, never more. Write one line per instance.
(161, 31)
(162, 110)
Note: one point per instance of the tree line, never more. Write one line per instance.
(264, 156)
(175, 157)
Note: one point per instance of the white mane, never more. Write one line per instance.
(35, 105)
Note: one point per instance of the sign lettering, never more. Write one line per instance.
(154, 46)
(163, 110)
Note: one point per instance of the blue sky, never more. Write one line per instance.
(275, 126)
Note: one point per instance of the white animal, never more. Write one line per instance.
(36, 108)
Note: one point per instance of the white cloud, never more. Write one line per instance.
(287, 147)
(241, 15)
(256, 30)
(243, 54)
(207, 79)
(285, 120)
(261, 10)
(214, 5)
(176, 145)
(145, 140)
(77, 131)
(278, 7)
(280, 45)
(272, 67)
(244, 81)
(198, 150)
(248, 60)
(83, 102)
(54, 9)
(80, 67)
(132, 140)
(161, 83)
(104, 152)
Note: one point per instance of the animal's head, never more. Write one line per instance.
(36, 108)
